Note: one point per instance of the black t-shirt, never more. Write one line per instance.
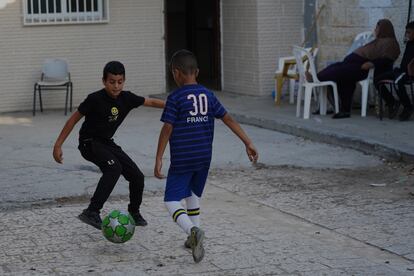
(103, 114)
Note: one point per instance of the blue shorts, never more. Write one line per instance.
(180, 186)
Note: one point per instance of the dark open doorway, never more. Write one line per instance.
(195, 25)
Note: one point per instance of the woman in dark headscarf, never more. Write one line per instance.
(379, 53)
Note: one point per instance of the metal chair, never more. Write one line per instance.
(380, 106)
(410, 84)
(299, 53)
(55, 76)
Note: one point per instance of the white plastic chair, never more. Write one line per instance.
(55, 76)
(299, 53)
(360, 40)
(292, 71)
(365, 87)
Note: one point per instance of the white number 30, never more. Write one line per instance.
(199, 106)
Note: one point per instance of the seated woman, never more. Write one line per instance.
(400, 76)
(379, 53)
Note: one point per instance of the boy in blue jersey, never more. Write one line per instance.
(189, 128)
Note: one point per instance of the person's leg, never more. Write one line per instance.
(135, 177)
(392, 103)
(111, 171)
(193, 209)
(345, 75)
(197, 184)
(176, 189)
(179, 215)
(407, 111)
(402, 92)
(382, 89)
(196, 235)
(346, 94)
(100, 155)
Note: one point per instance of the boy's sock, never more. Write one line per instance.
(193, 209)
(179, 215)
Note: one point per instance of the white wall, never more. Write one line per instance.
(133, 36)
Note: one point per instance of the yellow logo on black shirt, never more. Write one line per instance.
(114, 112)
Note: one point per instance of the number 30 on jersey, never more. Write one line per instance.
(200, 104)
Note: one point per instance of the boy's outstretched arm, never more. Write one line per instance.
(236, 128)
(67, 128)
(151, 102)
(165, 134)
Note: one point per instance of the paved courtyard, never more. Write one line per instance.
(306, 208)
(243, 237)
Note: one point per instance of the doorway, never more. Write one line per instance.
(194, 25)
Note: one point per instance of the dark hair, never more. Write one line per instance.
(410, 25)
(114, 68)
(385, 29)
(185, 61)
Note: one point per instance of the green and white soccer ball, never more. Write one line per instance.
(118, 226)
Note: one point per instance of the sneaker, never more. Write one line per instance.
(393, 109)
(139, 220)
(187, 243)
(196, 240)
(405, 114)
(341, 115)
(92, 218)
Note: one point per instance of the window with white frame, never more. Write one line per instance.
(39, 12)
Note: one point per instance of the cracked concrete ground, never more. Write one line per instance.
(305, 209)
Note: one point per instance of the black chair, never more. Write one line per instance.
(410, 83)
(392, 87)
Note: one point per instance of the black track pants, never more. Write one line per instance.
(113, 162)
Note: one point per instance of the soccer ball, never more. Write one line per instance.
(118, 226)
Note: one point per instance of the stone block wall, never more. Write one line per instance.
(342, 20)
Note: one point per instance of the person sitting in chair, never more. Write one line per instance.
(400, 75)
(379, 53)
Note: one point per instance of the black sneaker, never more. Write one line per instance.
(139, 220)
(405, 114)
(92, 218)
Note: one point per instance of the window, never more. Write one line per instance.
(39, 12)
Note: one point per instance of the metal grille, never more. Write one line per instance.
(40, 12)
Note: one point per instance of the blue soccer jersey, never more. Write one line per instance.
(191, 110)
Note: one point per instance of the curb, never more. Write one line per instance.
(327, 137)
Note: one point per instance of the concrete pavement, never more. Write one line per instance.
(29, 173)
(242, 238)
(307, 209)
(390, 139)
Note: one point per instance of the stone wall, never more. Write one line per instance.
(342, 20)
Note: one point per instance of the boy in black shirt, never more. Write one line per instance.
(400, 76)
(104, 111)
